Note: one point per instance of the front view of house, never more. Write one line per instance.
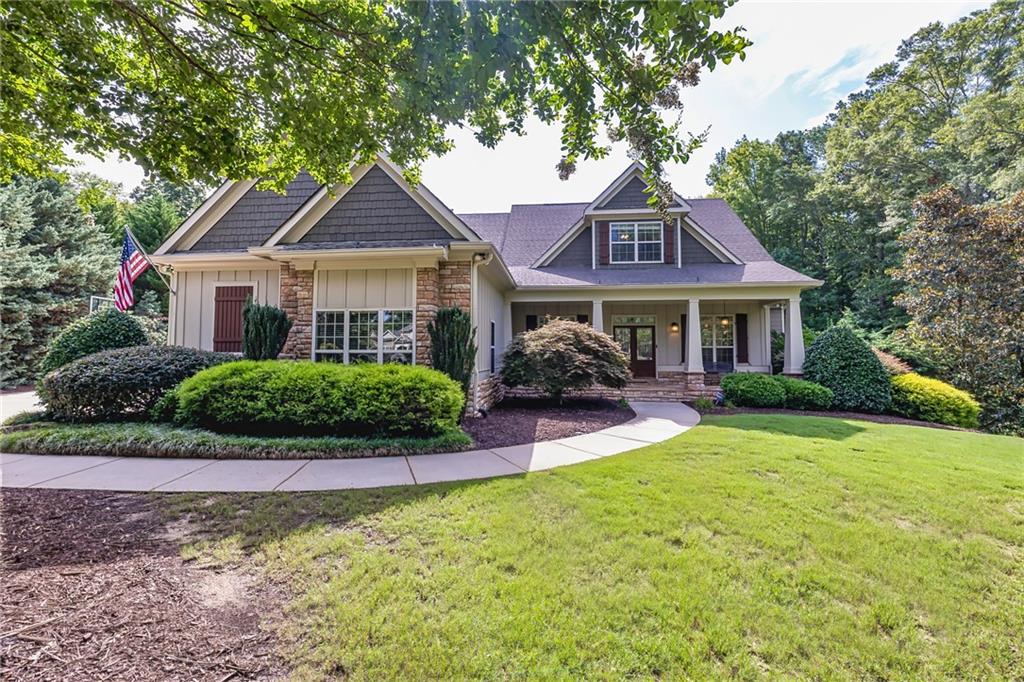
(361, 269)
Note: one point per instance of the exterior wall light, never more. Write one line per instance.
(674, 327)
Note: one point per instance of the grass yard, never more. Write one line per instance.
(754, 545)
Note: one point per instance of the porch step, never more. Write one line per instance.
(650, 391)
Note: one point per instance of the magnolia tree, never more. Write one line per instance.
(964, 274)
(194, 89)
(562, 356)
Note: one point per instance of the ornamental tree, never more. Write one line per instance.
(564, 355)
(195, 89)
(964, 274)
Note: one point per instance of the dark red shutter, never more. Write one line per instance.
(742, 339)
(686, 337)
(602, 242)
(531, 322)
(227, 318)
(670, 242)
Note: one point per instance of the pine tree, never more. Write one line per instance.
(53, 258)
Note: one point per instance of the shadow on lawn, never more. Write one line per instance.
(54, 528)
(801, 426)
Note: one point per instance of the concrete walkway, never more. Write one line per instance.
(654, 423)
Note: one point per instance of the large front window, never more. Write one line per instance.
(636, 242)
(354, 336)
(717, 341)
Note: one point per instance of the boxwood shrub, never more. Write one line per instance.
(753, 390)
(918, 397)
(278, 397)
(103, 330)
(120, 384)
(760, 390)
(845, 364)
(805, 395)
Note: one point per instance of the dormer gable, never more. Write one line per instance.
(624, 231)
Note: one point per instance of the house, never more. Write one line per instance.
(362, 268)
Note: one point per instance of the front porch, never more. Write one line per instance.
(727, 334)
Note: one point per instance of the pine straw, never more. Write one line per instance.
(92, 590)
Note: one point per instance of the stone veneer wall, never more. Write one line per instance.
(488, 392)
(436, 288)
(297, 303)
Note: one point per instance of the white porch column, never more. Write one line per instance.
(506, 324)
(694, 353)
(597, 315)
(794, 349)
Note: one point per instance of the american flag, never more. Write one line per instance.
(133, 264)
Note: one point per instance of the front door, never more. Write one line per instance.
(638, 345)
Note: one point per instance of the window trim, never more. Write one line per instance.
(493, 338)
(345, 351)
(635, 225)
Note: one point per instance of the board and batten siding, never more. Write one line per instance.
(391, 288)
(193, 303)
(490, 307)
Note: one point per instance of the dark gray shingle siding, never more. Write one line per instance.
(256, 216)
(376, 209)
(630, 196)
(695, 252)
(577, 252)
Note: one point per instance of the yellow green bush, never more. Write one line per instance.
(918, 397)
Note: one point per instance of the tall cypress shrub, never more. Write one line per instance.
(264, 331)
(452, 348)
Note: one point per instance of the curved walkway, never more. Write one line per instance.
(654, 423)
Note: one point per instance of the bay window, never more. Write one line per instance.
(637, 242)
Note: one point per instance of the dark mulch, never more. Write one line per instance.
(878, 418)
(93, 588)
(526, 420)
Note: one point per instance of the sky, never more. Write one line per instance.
(806, 57)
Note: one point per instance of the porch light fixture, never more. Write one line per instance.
(674, 327)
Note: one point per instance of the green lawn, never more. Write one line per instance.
(753, 545)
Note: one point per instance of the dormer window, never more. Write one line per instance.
(637, 242)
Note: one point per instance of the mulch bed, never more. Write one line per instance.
(93, 588)
(878, 418)
(526, 420)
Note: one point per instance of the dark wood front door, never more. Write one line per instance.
(638, 345)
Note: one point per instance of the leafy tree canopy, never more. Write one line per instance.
(196, 89)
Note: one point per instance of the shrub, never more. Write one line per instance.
(452, 349)
(264, 331)
(845, 364)
(703, 405)
(279, 397)
(563, 355)
(753, 390)
(805, 395)
(102, 330)
(918, 397)
(893, 365)
(119, 384)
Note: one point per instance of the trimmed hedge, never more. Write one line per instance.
(805, 395)
(120, 384)
(845, 364)
(918, 397)
(753, 390)
(102, 330)
(280, 397)
(760, 390)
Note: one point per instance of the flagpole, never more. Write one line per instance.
(131, 235)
